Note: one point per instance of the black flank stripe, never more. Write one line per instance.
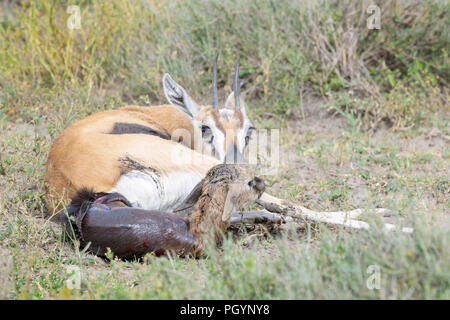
(127, 128)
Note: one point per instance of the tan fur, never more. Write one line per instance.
(85, 155)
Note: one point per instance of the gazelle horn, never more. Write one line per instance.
(236, 86)
(215, 102)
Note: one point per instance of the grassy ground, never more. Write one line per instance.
(364, 123)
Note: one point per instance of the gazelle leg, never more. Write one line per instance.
(112, 199)
(345, 218)
(271, 199)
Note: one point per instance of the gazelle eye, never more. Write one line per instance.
(207, 134)
(205, 130)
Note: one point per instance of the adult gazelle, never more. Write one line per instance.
(140, 153)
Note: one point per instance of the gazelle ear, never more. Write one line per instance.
(230, 202)
(190, 201)
(178, 97)
(229, 103)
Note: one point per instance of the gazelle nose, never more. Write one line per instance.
(259, 184)
(233, 155)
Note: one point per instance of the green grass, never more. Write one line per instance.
(369, 131)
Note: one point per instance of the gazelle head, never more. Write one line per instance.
(224, 130)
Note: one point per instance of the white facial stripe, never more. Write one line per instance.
(226, 114)
(219, 142)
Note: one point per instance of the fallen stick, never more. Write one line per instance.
(327, 217)
(276, 213)
(344, 218)
(353, 214)
(267, 217)
(261, 216)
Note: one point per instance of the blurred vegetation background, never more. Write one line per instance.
(397, 74)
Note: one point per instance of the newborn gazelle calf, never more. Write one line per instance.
(108, 220)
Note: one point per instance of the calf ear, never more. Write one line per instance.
(178, 97)
(230, 202)
(190, 201)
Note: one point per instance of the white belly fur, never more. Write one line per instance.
(152, 191)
